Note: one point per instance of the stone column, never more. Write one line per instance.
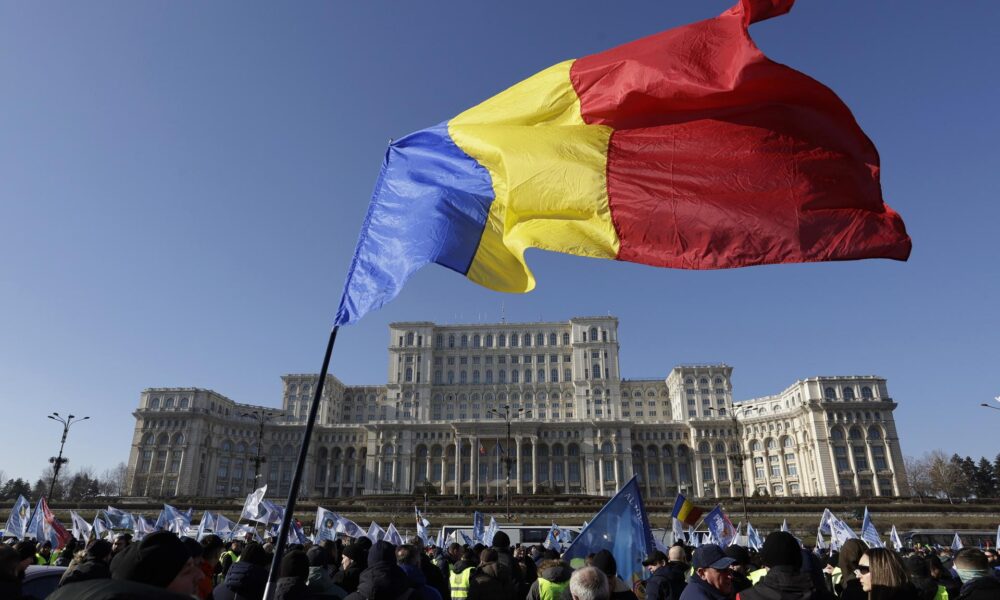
(534, 464)
(600, 468)
(427, 469)
(518, 475)
(474, 467)
(444, 470)
(326, 482)
(458, 466)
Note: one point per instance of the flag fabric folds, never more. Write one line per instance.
(685, 511)
(252, 510)
(721, 527)
(622, 528)
(956, 543)
(686, 149)
(392, 535)
(119, 519)
(491, 530)
(753, 538)
(325, 527)
(17, 521)
(897, 544)
(45, 527)
(869, 533)
(478, 527)
(81, 528)
(175, 520)
(375, 533)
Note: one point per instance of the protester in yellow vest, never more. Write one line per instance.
(460, 574)
(553, 579)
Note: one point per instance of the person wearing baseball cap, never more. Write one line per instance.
(712, 579)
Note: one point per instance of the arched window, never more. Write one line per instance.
(540, 339)
(866, 392)
(409, 339)
(409, 374)
(451, 341)
(554, 375)
(527, 376)
(169, 403)
(526, 339)
(552, 339)
(703, 448)
(787, 442)
(155, 402)
(837, 433)
(874, 433)
(475, 376)
(830, 393)
(513, 340)
(595, 371)
(502, 340)
(720, 448)
(567, 375)
(755, 446)
(771, 444)
(541, 375)
(593, 334)
(503, 376)
(515, 376)
(565, 339)
(465, 341)
(489, 376)
(475, 341)
(855, 434)
(848, 393)
(439, 341)
(489, 340)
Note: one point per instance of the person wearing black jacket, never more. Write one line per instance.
(352, 563)
(739, 568)
(247, 578)
(785, 579)
(520, 581)
(95, 564)
(383, 579)
(669, 574)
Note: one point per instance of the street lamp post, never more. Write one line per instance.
(990, 406)
(261, 417)
(740, 459)
(507, 415)
(58, 461)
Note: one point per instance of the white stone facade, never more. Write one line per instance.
(577, 426)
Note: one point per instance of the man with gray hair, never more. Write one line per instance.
(589, 583)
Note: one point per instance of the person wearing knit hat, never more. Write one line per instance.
(352, 563)
(782, 556)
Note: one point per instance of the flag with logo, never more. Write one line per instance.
(753, 538)
(897, 544)
(552, 539)
(17, 521)
(869, 533)
(325, 527)
(223, 526)
(820, 542)
(840, 532)
(375, 533)
(349, 528)
(119, 519)
(392, 535)
(175, 520)
(824, 521)
(721, 527)
(956, 543)
(477, 526)
(622, 528)
(81, 528)
(252, 510)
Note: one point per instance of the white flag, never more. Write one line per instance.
(897, 543)
(375, 533)
(251, 508)
(81, 528)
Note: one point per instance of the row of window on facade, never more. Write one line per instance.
(847, 393)
(408, 376)
(168, 402)
(502, 339)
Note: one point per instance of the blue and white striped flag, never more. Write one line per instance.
(17, 522)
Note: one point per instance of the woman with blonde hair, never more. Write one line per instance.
(883, 576)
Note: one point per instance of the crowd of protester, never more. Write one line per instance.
(164, 566)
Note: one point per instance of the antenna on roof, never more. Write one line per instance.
(503, 318)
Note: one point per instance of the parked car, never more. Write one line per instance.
(40, 581)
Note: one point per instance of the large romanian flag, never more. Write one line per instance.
(686, 149)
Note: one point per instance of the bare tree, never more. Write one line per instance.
(946, 476)
(113, 480)
(919, 472)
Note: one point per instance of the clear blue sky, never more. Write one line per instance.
(182, 185)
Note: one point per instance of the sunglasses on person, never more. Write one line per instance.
(863, 570)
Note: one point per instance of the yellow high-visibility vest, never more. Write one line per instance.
(460, 583)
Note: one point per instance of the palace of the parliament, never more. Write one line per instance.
(575, 426)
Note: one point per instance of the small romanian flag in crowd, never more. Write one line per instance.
(687, 149)
(685, 511)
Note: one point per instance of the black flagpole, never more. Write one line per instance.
(293, 493)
